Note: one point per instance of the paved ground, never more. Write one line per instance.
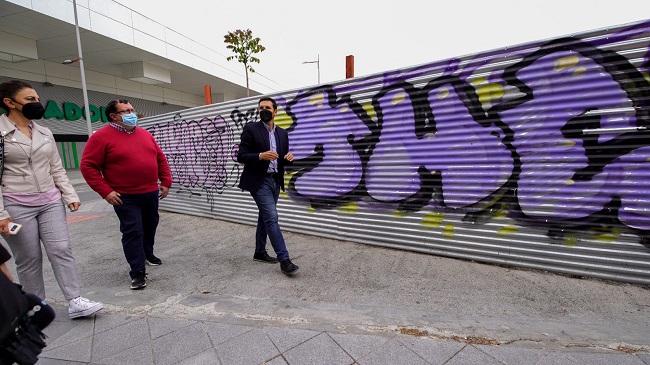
(117, 338)
(209, 303)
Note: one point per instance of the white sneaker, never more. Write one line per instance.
(82, 307)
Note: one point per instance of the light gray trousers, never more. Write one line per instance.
(45, 224)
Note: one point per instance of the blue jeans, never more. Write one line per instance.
(138, 216)
(266, 198)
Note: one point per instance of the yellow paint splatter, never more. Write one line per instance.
(432, 219)
(646, 75)
(370, 110)
(579, 71)
(317, 99)
(311, 210)
(569, 182)
(443, 93)
(607, 236)
(283, 194)
(502, 213)
(350, 208)
(287, 178)
(490, 92)
(478, 81)
(568, 143)
(448, 231)
(566, 63)
(570, 240)
(507, 230)
(398, 98)
(400, 213)
(283, 120)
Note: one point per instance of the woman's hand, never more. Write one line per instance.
(4, 225)
(74, 206)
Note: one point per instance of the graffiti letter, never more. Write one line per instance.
(327, 137)
(439, 130)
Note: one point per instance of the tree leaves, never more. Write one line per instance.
(244, 46)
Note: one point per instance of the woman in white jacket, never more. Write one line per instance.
(34, 189)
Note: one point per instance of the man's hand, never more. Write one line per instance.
(289, 157)
(74, 206)
(4, 225)
(268, 156)
(164, 191)
(113, 198)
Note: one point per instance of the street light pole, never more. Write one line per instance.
(317, 62)
(81, 68)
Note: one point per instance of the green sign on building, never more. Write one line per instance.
(71, 112)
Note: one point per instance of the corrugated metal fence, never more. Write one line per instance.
(535, 155)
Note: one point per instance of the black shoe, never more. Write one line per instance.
(154, 261)
(288, 267)
(264, 257)
(139, 282)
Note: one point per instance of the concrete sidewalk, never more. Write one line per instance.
(210, 303)
(114, 338)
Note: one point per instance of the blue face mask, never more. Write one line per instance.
(130, 119)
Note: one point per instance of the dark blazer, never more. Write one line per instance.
(254, 140)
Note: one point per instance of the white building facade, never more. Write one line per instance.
(126, 55)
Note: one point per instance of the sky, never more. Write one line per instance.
(382, 35)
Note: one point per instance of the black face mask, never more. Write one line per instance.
(33, 110)
(266, 115)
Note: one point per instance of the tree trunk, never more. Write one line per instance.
(248, 91)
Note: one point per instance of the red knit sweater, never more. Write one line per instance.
(126, 163)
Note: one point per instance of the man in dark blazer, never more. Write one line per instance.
(264, 151)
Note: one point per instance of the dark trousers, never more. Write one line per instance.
(138, 216)
(23, 346)
(266, 198)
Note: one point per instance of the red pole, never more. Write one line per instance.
(207, 94)
(349, 67)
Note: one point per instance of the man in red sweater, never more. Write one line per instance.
(124, 164)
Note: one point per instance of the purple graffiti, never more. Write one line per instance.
(567, 142)
(569, 169)
(557, 137)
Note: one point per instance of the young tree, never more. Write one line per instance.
(244, 46)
